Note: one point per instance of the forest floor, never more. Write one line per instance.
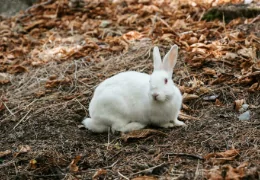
(53, 55)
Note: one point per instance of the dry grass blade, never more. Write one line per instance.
(22, 119)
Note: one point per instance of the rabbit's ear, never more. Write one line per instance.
(157, 61)
(170, 59)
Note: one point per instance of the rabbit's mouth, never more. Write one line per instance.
(160, 98)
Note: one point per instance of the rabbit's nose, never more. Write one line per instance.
(155, 95)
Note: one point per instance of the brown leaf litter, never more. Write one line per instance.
(229, 173)
(53, 55)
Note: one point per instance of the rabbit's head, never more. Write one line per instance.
(161, 84)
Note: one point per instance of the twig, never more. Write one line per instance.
(115, 155)
(188, 155)
(122, 175)
(147, 170)
(18, 110)
(153, 25)
(112, 165)
(7, 108)
(197, 171)
(22, 119)
(85, 109)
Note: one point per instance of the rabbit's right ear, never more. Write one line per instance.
(170, 59)
(157, 61)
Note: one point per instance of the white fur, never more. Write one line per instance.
(125, 101)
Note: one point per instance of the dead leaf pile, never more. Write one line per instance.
(228, 172)
(64, 30)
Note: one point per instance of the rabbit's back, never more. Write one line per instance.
(123, 96)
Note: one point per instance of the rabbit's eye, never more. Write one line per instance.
(165, 81)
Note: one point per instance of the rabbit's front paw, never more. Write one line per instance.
(179, 123)
(167, 125)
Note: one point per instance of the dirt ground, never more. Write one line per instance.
(41, 135)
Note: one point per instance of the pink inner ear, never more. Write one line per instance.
(172, 58)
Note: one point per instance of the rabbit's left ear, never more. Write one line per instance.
(157, 61)
(170, 59)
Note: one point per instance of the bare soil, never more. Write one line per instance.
(51, 126)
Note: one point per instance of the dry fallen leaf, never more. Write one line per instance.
(186, 107)
(222, 78)
(185, 89)
(187, 97)
(203, 90)
(199, 51)
(230, 56)
(5, 153)
(57, 82)
(22, 149)
(218, 103)
(34, 23)
(238, 104)
(73, 165)
(137, 134)
(69, 97)
(227, 172)
(10, 56)
(132, 35)
(214, 173)
(254, 87)
(185, 117)
(145, 178)
(40, 93)
(246, 52)
(209, 71)
(220, 157)
(33, 163)
(17, 69)
(151, 9)
(2, 106)
(99, 172)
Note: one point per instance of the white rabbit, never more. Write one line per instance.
(131, 100)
